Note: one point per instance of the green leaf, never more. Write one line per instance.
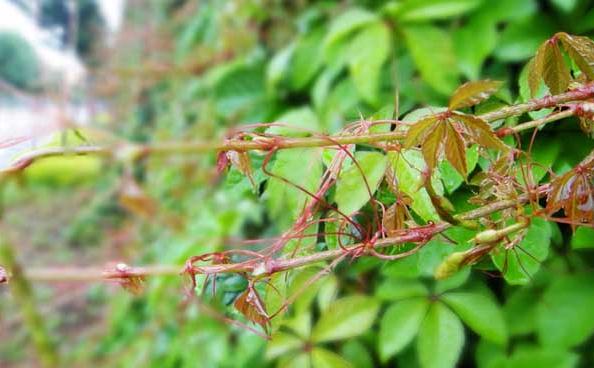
(400, 325)
(238, 88)
(369, 51)
(540, 357)
(405, 268)
(424, 10)
(299, 166)
(583, 238)
(306, 59)
(564, 315)
(518, 266)
(450, 177)
(278, 66)
(520, 39)
(520, 311)
(328, 292)
(526, 82)
(357, 354)
(544, 154)
(345, 318)
(489, 355)
(566, 6)
(303, 119)
(299, 360)
(322, 358)
(308, 293)
(441, 338)
(481, 33)
(343, 25)
(432, 51)
(508, 10)
(480, 312)
(408, 167)
(472, 93)
(396, 289)
(280, 344)
(351, 191)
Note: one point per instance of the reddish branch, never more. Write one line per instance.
(582, 93)
(268, 265)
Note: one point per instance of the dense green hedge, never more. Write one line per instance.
(319, 65)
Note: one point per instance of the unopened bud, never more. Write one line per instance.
(487, 236)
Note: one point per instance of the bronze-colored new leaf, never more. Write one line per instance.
(432, 144)
(251, 306)
(417, 132)
(241, 160)
(396, 215)
(455, 150)
(449, 133)
(134, 199)
(581, 50)
(471, 93)
(554, 71)
(574, 193)
(535, 71)
(479, 131)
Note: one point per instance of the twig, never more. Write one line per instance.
(89, 274)
(268, 143)
(23, 294)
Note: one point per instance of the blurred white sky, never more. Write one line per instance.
(28, 122)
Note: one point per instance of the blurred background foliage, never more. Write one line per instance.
(192, 70)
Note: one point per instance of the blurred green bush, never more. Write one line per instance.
(319, 65)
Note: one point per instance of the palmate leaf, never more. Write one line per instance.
(450, 132)
(480, 131)
(549, 63)
(252, 307)
(471, 93)
(417, 132)
(432, 144)
(581, 50)
(574, 193)
(455, 150)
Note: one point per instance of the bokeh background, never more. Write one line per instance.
(81, 72)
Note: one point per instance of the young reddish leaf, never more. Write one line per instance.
(130, 282)
(455, 150)
(480, 131)
(432, 144)
(554, 71)
(574, 193)
(241, 161)
(417, 132)
(471, 93)
(222, 162)
(581, 50)
(535, 69)
(395, 217)
(133, 198)
(251, 306)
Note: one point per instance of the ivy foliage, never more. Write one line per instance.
(313, 67)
